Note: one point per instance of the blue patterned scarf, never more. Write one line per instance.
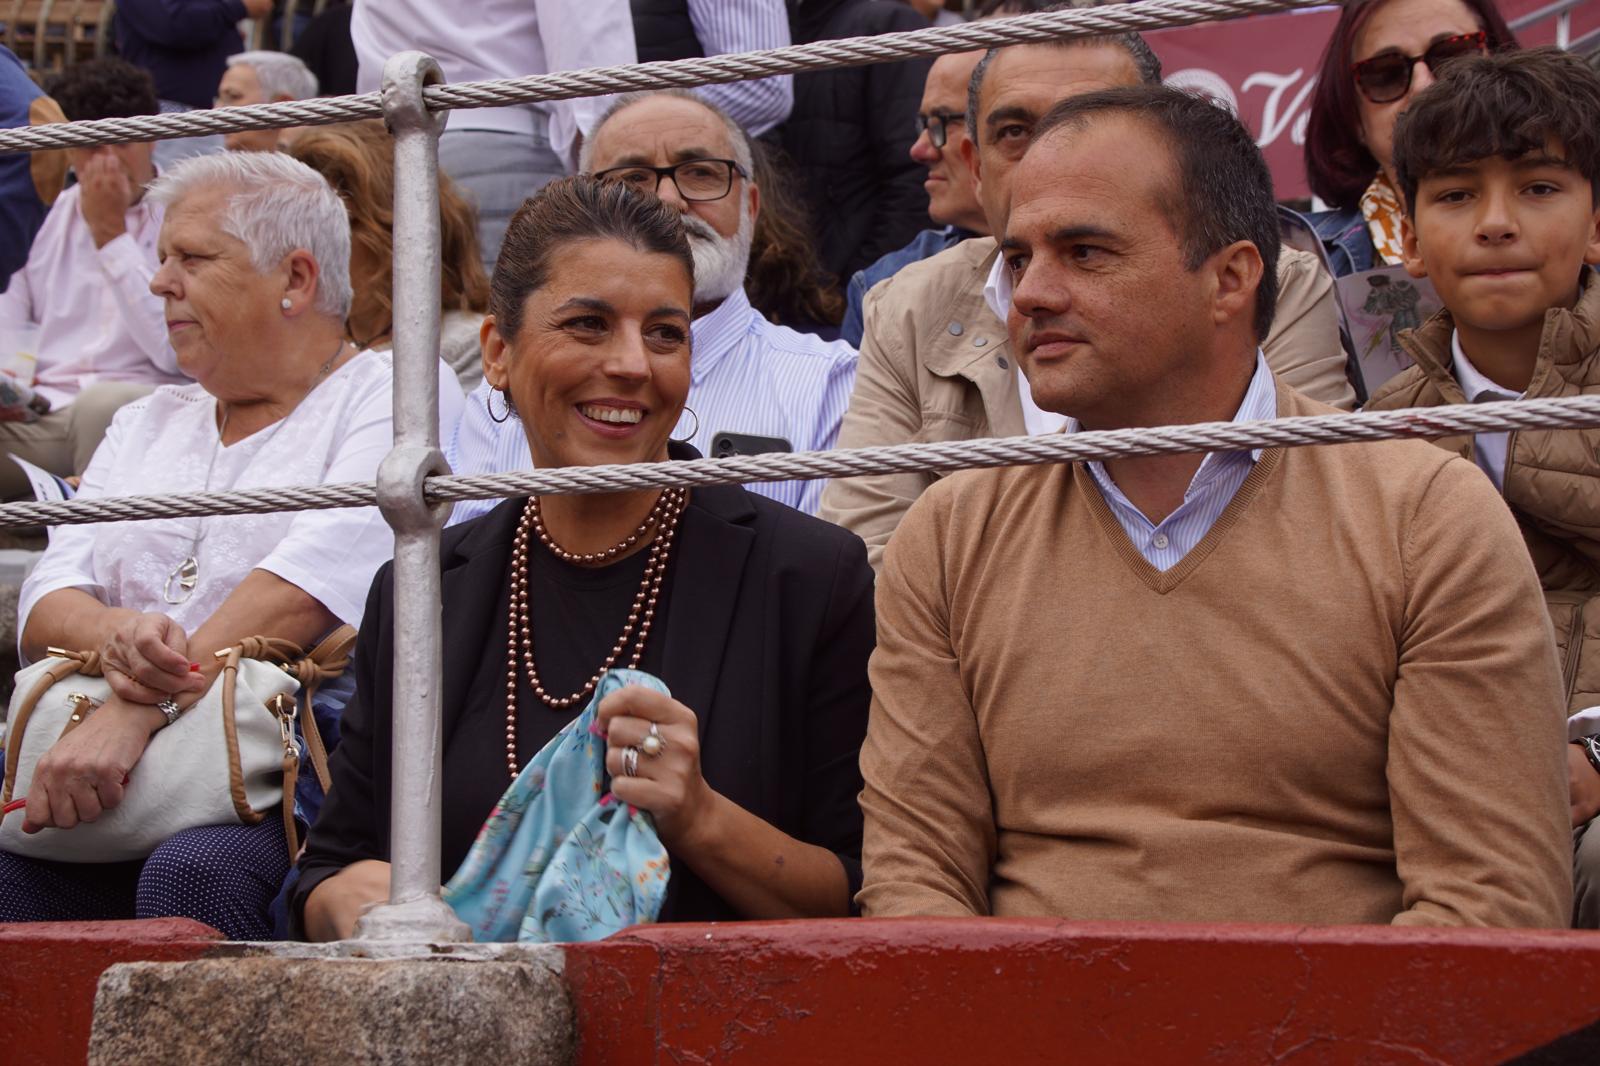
(559, 860)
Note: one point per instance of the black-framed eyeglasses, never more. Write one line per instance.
(1385, 78)
(697, 180)
(934, 126)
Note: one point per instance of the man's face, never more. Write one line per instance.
(240, 87)
(666, 131)
(1504, 239)
(1104, 313)
(952, 200)
(1021, 85)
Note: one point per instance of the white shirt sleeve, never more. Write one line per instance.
(727, 26)
(1584, 723)
(333, 555)
(578, 34)
(16, 302)
(129, 268)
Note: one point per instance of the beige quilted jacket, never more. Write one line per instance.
(1552, 477)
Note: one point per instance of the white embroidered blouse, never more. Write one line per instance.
(165, 443)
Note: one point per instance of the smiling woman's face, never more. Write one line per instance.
(599, 368)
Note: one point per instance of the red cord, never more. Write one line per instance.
(17, 805)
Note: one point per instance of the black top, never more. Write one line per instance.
(765, 637)
(325, 47)
(185, 47)
(662, 29)
(849, 137)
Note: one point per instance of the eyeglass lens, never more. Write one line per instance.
(1387, 78)
(697, 179)
(934, 125)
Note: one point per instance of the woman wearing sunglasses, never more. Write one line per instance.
(1382, 53)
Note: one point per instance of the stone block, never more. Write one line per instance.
(307, 1011)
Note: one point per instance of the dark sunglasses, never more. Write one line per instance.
(935, 126)
(1385, 78)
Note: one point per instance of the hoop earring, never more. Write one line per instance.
(488, 402)
(692, 433)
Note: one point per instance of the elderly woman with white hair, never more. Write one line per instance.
(254, 271)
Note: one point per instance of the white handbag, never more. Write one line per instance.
(227, 760)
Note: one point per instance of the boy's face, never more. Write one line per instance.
(1503, 240)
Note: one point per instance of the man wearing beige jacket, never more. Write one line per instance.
(1308, 685)
(935, 364)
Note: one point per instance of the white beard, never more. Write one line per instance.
(720, 262)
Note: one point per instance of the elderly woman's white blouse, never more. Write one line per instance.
(163, 443)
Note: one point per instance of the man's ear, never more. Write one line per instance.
(969, 155)
(1237, 270)
(496, 353)
(755, 201)
(1411, 253)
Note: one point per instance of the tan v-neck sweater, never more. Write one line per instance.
(1343, 706)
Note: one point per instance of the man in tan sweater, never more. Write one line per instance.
(935, 363)
(1311, 685)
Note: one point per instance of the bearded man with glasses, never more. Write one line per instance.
(754, 386)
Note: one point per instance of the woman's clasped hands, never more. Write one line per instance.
(145, 659)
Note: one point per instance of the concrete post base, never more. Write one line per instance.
(305, 1011)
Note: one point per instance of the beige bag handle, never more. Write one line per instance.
(325, 662)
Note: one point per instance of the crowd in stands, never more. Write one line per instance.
(1317, 685)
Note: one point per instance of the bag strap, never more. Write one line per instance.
(86, 663)
(230, 731)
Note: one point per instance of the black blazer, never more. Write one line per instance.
(767, 636)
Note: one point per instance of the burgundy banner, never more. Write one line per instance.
(1265, 69)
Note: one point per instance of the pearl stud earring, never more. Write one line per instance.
(285, 303)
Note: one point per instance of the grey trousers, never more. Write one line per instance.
(497, 171)
(1586, 876)
(62, 441)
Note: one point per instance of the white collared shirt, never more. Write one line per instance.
(1212, 488)
(997, 294)
(747, 375)
(1488, 449)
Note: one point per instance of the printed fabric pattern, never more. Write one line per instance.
(559, 860)
(1380, 206)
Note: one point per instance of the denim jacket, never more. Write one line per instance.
(1344, 234)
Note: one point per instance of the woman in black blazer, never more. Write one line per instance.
(757, 617)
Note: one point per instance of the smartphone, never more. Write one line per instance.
(726, 444)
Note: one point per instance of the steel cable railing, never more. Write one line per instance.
(412, 489)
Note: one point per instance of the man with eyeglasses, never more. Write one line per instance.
(952, 200)
(754, 386)
(935, 361)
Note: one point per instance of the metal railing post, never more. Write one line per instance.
(414, 910)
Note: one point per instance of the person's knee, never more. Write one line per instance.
(200, 873)
(98, 403)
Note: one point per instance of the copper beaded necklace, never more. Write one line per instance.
(519, 633)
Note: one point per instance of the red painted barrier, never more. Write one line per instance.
(1023, 991)
(48, 974)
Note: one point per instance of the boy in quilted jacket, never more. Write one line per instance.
(1499, 164)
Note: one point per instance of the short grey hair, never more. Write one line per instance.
(276, 205)
(279, 73)
(743, 151)
(1145, 61)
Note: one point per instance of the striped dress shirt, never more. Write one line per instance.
(747, 376)
(727, 26)
(1165, 544)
